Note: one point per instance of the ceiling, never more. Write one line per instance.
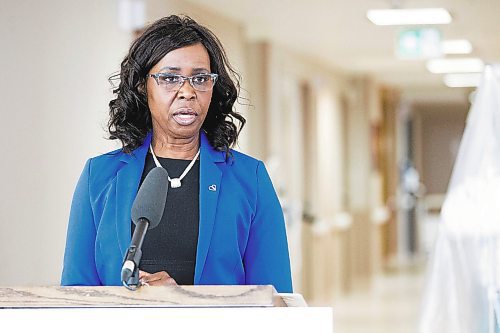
(339, 34)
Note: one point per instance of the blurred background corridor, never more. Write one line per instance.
(359, 125)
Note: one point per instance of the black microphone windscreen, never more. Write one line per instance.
(151, 197)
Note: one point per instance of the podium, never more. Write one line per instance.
(186, 308)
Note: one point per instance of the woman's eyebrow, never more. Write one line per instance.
(178, 69)
(201, 69)
(171, 68)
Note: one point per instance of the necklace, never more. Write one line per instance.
(175, 182)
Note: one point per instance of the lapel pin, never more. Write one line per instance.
(212, 187)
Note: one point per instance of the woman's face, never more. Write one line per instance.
(179, 114)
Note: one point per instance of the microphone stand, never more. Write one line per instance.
(130, 278)
(130, 268)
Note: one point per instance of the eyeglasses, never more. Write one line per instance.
(173, 82)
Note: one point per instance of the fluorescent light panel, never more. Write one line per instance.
(456, 46)
(455, 65)
(462, 80)
(409, 16)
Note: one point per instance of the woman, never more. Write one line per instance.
(222, 223)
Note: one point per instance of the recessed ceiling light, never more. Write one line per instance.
(462, 80)
(456, 46)
(409, 16)
(456, 65)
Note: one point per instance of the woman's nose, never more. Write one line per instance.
(186, 91)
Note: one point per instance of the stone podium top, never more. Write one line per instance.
(146, 296)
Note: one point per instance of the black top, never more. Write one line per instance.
(171, 246)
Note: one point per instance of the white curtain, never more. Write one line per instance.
(463, 277)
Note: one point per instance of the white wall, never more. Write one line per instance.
(54, 60)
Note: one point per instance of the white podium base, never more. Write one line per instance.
(217, 320)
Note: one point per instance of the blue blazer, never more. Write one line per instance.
(242, 237)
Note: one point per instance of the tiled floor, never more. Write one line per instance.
(391, 305)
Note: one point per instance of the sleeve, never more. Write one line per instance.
(266, 258)
(79, 257)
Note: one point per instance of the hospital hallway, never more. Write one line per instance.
(377, 123)
(391, 304)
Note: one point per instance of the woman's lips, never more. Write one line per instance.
(185, 117)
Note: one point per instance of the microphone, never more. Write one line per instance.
(147, 211)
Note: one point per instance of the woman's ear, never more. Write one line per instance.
(141, 88)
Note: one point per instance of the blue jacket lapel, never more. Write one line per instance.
(127, 184)
(210, 179)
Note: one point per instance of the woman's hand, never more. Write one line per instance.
(156, 279)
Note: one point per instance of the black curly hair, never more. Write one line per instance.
(130, 117)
